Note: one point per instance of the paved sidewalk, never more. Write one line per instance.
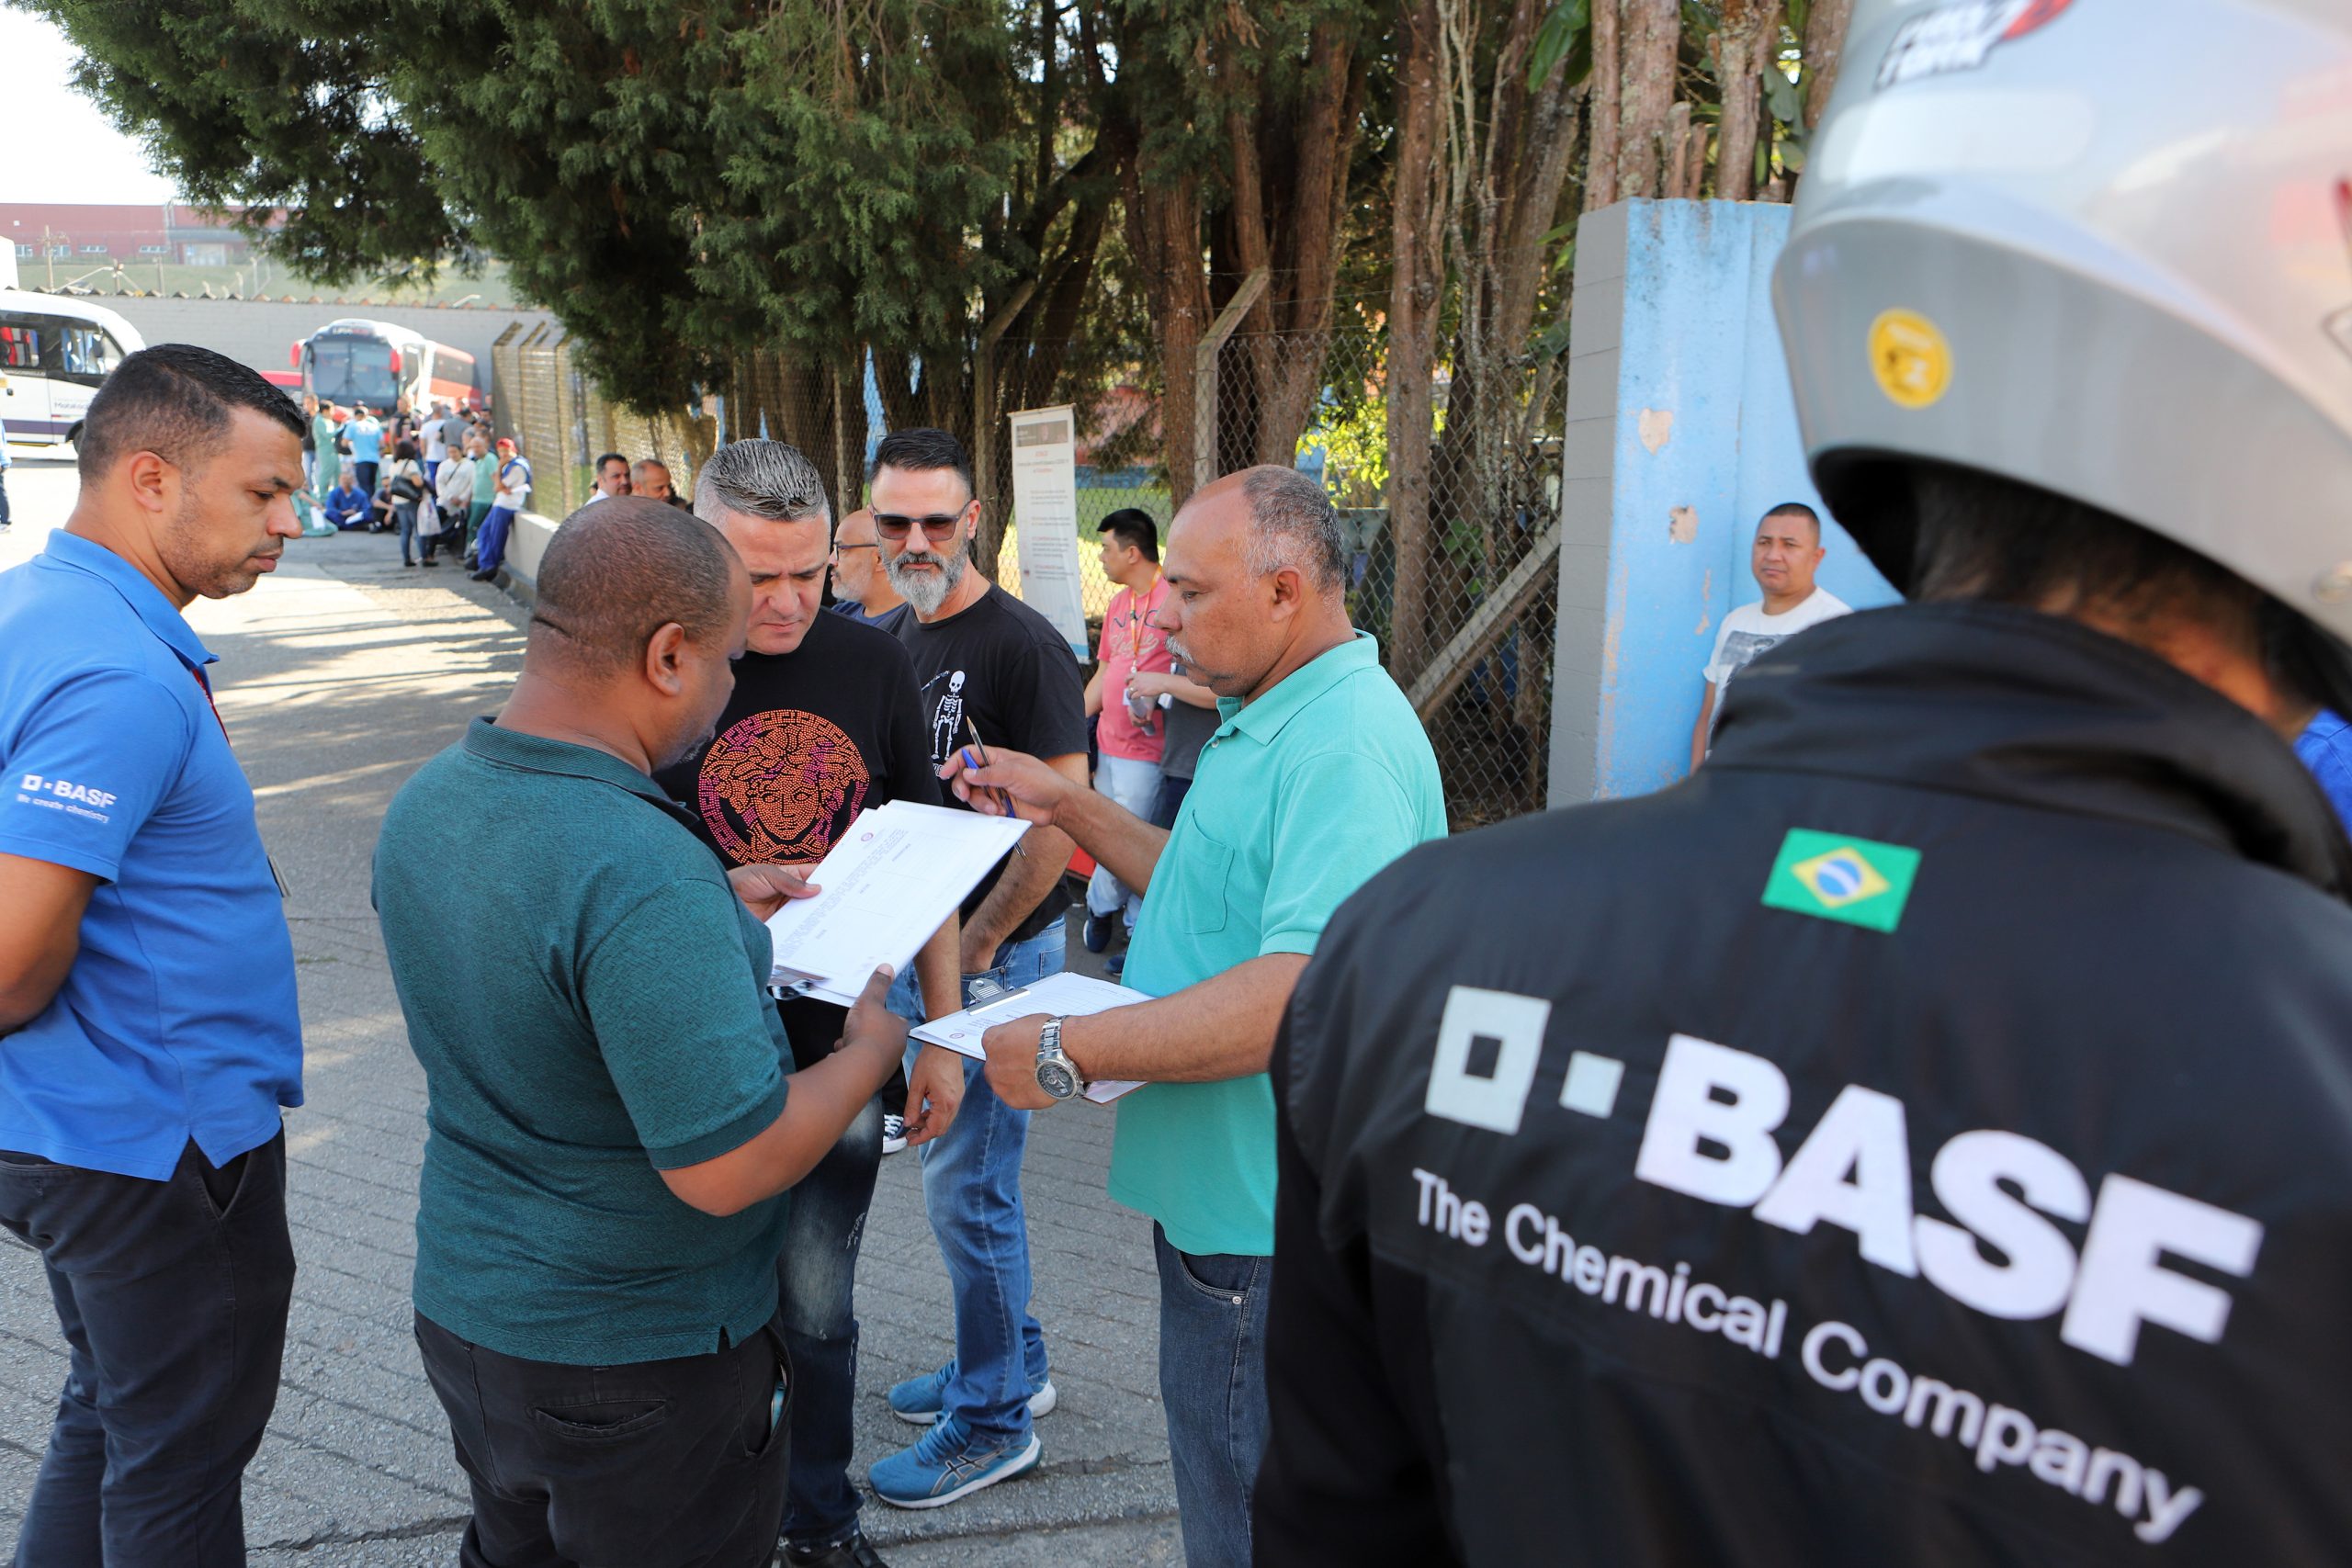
(339, 675)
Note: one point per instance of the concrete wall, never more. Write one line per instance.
(259, 331)
(526, 545)
(1682, 433)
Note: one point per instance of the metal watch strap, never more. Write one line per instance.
(1049, 1049)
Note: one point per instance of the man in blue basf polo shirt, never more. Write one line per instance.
(148, 1030)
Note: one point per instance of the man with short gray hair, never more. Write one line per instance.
(1318, 775)
(824, 722)
(649, 476)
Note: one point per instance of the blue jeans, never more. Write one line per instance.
(1134, 784)
(491, 548)
(815, 1278)
(404, 515)
(1213, 1385)
(971, 1185)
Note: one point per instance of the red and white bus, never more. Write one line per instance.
(379, 363)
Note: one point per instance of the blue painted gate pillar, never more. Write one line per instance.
(1681, 434)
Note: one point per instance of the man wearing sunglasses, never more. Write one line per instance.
(991, 666)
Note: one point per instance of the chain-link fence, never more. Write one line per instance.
(1453, 553)
(562, 422)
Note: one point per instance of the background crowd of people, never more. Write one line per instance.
(443, 480)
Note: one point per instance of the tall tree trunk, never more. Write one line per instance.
(1825, 42)
(849, 435)
(1509, 186)
(894, 377)
(1246, 365)
(1164, 232)
(1419, 223)
(1600, 168)
(1743, 48)
(1308, 244)
(1653, 33)
(804, 411)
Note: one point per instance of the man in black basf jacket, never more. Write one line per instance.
(1923, 1137)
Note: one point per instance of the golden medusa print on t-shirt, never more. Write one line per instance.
(774, 788)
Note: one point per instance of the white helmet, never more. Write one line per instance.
(2100, 247)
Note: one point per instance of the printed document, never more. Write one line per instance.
(1061, 994)
(887, 885)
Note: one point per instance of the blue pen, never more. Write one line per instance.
(1002, 799)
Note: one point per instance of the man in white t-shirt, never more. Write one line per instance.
(612, 478)
(1786, 554)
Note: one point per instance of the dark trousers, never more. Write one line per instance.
(656, 1464)
(367, 479)
(171, 1296)
(817, 1275)
(3, 497)
(1172, 792)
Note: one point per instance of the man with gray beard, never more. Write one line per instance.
(990, 667)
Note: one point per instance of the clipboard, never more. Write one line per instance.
(1067, 994)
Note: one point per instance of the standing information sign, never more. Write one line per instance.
(1045, 508)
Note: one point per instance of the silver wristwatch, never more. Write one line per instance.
(1056, 1073)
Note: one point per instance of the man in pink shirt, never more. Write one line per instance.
(1132, 734)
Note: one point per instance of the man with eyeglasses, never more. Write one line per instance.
(862, 589)
(649, 476)
(990, 667)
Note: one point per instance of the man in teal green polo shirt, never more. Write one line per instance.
(609, 1116)
(1318, 775)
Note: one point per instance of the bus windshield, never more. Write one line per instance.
(348, 370)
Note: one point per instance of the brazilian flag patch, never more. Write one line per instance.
(1834, 877)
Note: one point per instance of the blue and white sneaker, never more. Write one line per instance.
(919, 1400)
(946, 1464)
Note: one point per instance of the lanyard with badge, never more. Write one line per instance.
(1139, 623)
(204, 686)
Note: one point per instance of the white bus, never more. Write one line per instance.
(379, 363)
(54, 352)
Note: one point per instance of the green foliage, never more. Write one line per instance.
(1567, 34)
(1353, 433)
(680, 181)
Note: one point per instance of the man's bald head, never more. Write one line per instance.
(618, 572)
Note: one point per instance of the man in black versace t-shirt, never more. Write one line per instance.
(992, 668)
(824, 723)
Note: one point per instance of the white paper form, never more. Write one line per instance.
(891, 881)
(1061, 994)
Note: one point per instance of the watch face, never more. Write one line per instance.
(1056, 1079)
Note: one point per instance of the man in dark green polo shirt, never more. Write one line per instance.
(1317, 777)
(609, 1117)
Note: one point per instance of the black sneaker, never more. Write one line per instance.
(1097, 934)
(894, 1135)
(854, 1552)
(485, 576)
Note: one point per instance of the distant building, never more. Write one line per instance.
(85, 234)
